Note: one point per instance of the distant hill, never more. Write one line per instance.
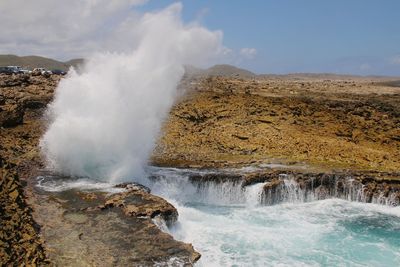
(75, 62)
(31, 62)
(395, 83)
(228, 71)
(223, 70)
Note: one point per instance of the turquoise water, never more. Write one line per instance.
(323, 233)
(228, 227)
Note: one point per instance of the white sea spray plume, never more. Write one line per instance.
(104, 120)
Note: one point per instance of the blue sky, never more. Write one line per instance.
(340, 36)
(265, 36)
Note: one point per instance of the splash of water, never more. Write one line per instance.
(231, 225)
(104, 120)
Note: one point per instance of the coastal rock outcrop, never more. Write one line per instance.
(338, 124)
(74, 230)
(102, 229)
(350, 128)
(19, 236)
(136, 201)
(21, 92)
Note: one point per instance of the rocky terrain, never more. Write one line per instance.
(324, 130)
(98, 229)
(22, 100)
(40, 229)
(332, 124)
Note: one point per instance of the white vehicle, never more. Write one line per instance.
(42, 71)
(24, 71)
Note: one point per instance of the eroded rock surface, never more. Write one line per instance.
(138, 202)
(22, 99)
(99, 229)
(346, 124)
(110, 237)
(350, 125)
(21, 92)
(20, 243)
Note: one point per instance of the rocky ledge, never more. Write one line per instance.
(137, 201)
(19, 239)
(21, 92)
(22, 101)
(337, 124)
(301, 186)
(102, 229)
(351, 126)
(72, 228)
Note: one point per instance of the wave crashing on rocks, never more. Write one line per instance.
(105, 119)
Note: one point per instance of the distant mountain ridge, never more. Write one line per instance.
(223, 70)
(228, 70)
(32, 62)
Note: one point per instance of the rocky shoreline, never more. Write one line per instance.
(36, 229)
(19, 234)
(342, 129)
(22, 101)
(332, 124)
(94, 228)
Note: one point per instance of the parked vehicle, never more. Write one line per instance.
(6, 70)
(58, 72)
(41, 71)
(14, 70)
(11, 70)
(25, 71)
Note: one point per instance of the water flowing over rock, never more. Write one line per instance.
(233, 216)
(276, 187)
(298, 188)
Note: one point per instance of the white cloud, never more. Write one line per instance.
(80, 28)
(64, 28)
(395, 60)
(248, 53)
(225, 51)
(365, 66)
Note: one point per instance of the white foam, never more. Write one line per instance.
(56, 184)
(289, 234)
(226, 224)
(104, 120)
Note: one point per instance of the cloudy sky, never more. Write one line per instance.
(340, 36)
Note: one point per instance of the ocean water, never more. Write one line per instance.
(323, 233)
(229, 227)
